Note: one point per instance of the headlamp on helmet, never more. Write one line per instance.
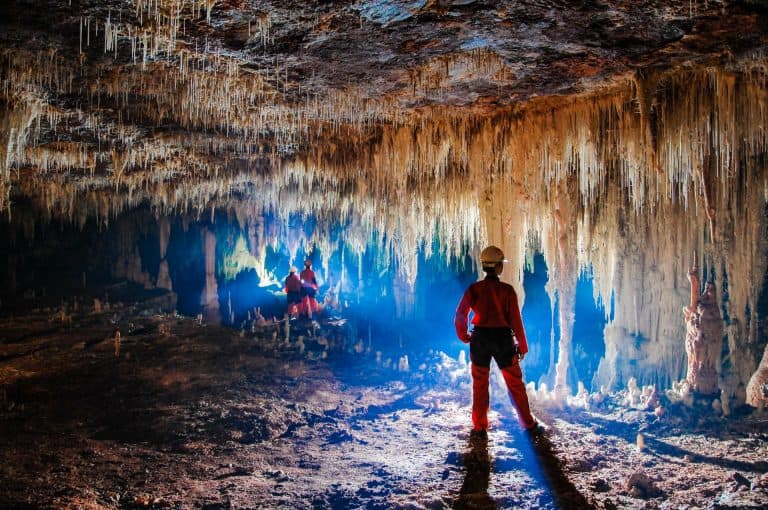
(491, 256)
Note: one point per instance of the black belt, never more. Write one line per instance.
(481, 329)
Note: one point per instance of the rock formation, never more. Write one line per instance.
(757, 390)
(210, 297)
(163, 276)
(704, 335)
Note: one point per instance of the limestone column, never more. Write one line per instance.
(405, 299)
(163, 276)
(257, 245)
(210, 297)
(564, 279)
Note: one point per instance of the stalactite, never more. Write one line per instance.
(18, 111)
(709, 200)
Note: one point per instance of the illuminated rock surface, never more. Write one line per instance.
(202, 146)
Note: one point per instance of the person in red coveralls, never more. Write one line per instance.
(497, 324)
(293, 292)
(308, 289)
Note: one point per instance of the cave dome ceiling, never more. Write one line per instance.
(192, 104)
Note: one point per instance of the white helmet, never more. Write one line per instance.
(492, 255)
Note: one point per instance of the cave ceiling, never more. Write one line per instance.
(190, 105)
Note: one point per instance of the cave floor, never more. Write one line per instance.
(188, 415)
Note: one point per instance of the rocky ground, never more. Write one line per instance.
(179, 414)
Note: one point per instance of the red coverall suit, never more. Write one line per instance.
(293, 292)
(496, 317)
(308, 291)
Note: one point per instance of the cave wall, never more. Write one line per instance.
(634, 205)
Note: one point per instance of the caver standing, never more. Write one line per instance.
(293, 292)
(497, 324)
(308, 289)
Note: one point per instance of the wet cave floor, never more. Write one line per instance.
(182, 414)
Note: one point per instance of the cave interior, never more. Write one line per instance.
(163, 163)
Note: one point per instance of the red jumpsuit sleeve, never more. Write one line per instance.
(460, 320)
(517, 324)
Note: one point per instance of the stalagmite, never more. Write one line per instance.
(757, 389)
(210, 297)
(704, 335)
(117, 343)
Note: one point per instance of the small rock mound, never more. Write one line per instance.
(640, 485)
